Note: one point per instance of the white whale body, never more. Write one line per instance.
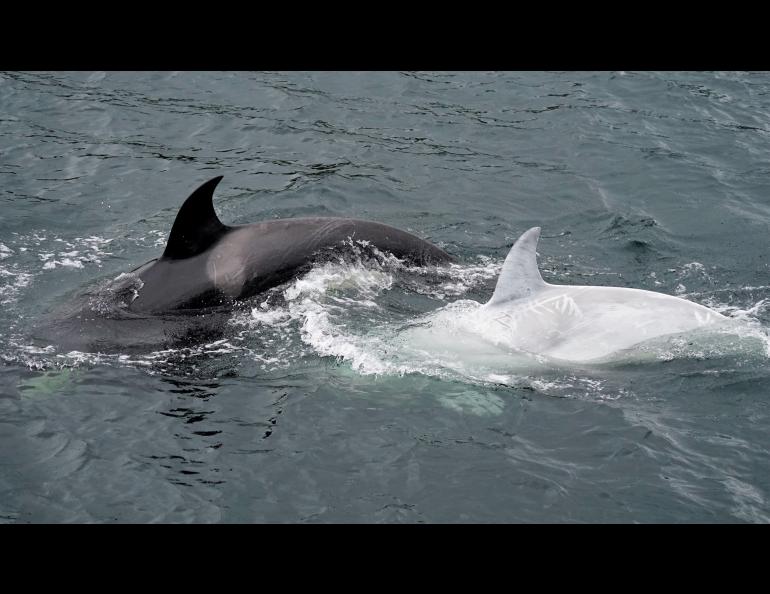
(568, 323)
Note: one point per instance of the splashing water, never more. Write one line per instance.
(372, 312)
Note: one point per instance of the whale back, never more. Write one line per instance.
(207, 263)
(575, 322)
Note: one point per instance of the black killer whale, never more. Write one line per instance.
(209, 263)
(186, 295)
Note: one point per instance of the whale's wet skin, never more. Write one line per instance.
(364, 383)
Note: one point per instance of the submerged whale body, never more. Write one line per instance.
(561, 323)
(187, 294)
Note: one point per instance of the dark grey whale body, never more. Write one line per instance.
(208, 263)
(185, 295)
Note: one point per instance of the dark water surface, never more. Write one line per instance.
(307, 411)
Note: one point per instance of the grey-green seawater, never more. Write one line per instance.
(308, 410)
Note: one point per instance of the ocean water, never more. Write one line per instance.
(310, 409)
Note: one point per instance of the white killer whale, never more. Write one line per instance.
(577, 323)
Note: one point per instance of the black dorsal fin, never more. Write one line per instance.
(196, 226)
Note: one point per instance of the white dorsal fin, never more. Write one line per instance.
(519, 276)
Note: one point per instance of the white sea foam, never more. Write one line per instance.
(12, 282)
(55, 252)
(66, 262)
